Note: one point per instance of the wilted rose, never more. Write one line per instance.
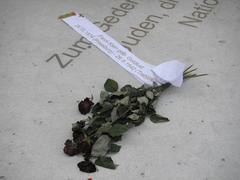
(70, 148)
(85, 106)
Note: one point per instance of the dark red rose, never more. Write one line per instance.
(85, 106)
(70, 148)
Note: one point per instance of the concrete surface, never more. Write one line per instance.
(38, 98)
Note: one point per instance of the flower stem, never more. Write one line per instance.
(187, 74)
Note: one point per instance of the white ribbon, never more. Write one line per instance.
(170, 71)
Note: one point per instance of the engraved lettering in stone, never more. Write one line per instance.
(57, 57)
(75, 53)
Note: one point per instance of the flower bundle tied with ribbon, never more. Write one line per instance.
(119, 109)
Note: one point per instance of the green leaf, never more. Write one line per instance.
(103, 129)
(133, 117)
(101, 146)
(122, 110)
(142, 109)
(103, 96)
(106, 106)
(118, 129)
(156, 93)
(118, 94)
(114, 148)
(139, 121)
(96, 121)
(132, 91)
(142, 100)
(96, 108)
(106, 162)
(114, 115)
(110, 85)
(133, 99)
(124, 101)
(156, 118)
(150, 110)
(149, 94)
(126, 88)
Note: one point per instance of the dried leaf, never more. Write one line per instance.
(122, 110)
(118, 94)
(97, 121)
(133, 99)
(96, 108)
(133, 117)
(139, 121)
(106, 106)
(150, 109)
(124, 101)
(142, 100)
(156, 118)
(106, 162)
(132, 91)
(118, 129)
(149, 94)
(103, 129)
(114, 148)
(142, 109)
(101, 146)
(126, 88)
(110, 85)
(114, 114)
(103, 96)
(87, 166)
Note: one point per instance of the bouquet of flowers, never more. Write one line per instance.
(118, 110)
